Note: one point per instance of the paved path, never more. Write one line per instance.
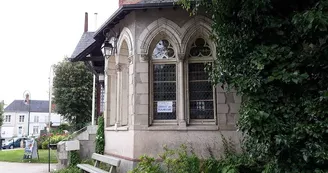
(6, 167)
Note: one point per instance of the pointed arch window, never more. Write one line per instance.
(163, 50)
(201, 103)
(164, 81)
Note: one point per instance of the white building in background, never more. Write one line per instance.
(16, 118)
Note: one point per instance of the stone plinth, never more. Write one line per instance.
(62, 155)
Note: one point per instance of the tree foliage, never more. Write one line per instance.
(72, 87)
(1, 113)
(275, 53)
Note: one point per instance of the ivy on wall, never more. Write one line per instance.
(274, 52)
(100, 138)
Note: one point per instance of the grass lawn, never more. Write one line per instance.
(17, 156)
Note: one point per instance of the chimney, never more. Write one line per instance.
(96, 21)
(86, 22)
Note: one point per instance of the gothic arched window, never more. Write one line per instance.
(164, 81)
(201, 91)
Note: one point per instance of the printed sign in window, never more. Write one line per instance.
(164, 106)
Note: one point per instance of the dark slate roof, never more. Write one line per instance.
(146, 1)
(157, 1)
(36, 106)
(94, 43)
(85, 42)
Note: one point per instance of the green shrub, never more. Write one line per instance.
(179, 161)
(69, 170)
(274, 53)
(45, 144)
(100, 138)
(74, 158)
(147, 165)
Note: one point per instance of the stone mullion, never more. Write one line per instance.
(181, 92)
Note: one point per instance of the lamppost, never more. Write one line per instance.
(27, 101)
(49, 118)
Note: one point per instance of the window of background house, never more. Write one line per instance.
(164, 81)
(36, 119)
(21, 118)
(8, 118)
(35, 130)
(20, 130)
(201, 96)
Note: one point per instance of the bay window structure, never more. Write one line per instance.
(157, 91)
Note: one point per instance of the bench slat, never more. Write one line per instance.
(90, 168)
(106, 159)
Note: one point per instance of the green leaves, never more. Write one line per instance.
(100, 138)
(73, 92)
(275, 54)
(1, 113)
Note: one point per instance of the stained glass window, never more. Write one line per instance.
(200, 48)
(163, 50)
(164, 91)
(201, 102)
(201, 98)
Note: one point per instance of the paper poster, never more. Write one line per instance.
(165, 106)
(31, 149)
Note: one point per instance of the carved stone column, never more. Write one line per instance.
(119, 67)
(110, 92)
(181, 92)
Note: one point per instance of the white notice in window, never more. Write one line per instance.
(164, 106)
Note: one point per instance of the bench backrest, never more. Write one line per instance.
(106, 159)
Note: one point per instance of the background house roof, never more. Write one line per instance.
(36, 106)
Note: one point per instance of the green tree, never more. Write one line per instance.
(1, 113)
(72, 88)
(274, 53)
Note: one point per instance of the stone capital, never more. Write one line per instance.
(119, 67)
(181, 56)
(144, 57)
(109, 72)
(130, 59)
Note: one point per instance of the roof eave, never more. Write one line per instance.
(130, 7)
(98, 35)
(84, 53)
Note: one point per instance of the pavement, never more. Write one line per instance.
(7, 167)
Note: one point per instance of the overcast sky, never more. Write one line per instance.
(34, 34)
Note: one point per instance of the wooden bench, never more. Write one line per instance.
(111, 161)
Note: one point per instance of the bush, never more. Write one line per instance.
(44, 144)
(179, 161)
(69, 170)
(174, 161)
(54, 139)
(147, 164)
(100, 138)
(274, 53)
(74, 158)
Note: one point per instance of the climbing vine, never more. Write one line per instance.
(274, 53)
(100, 138)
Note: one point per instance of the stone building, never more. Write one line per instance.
(156, 90)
